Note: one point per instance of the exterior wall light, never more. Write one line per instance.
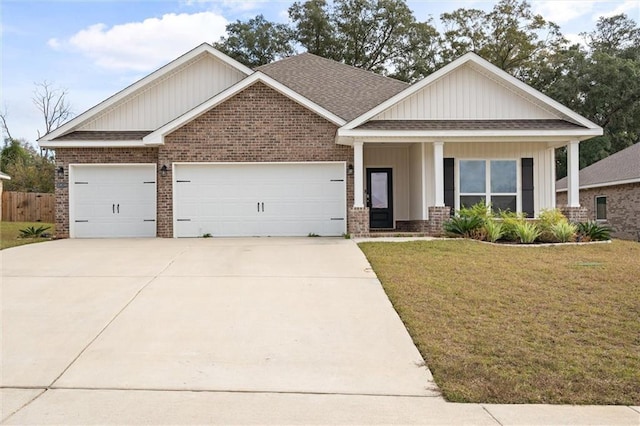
(350, 169)
(163, 170)
(60, 171)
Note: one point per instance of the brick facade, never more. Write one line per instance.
(623, 207)
(257, 125)
(437, 217)
(358, 221)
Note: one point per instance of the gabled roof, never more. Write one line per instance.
(617, 169)
(504, 78)
(157, 137)
(342, 89)
(203, 49)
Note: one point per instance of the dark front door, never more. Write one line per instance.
(380, 198)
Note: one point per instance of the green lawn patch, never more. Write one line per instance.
(500, 324)
(10, 233)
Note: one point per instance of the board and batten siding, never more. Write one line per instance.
(466, 93)
(162, 101)
(417, 170)
(396, 158)
(543, 163)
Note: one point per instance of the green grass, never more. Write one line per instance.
(502, 324)
(9, 232)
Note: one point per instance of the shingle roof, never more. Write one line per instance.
(346, 91)
(621, 166)
(104, 135)
(468, 125)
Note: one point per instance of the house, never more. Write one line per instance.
(306, 145)
(610, 191)
(2, 177)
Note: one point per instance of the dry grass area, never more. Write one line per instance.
(513, 324)
(10, 231)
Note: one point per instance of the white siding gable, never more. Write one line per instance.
(467, 93)
(168, 97)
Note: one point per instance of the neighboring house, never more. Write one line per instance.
(306, 145)
(2, 177)
(610, 190)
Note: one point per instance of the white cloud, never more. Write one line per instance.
(562, 11)
(143, 46)
(630, 7)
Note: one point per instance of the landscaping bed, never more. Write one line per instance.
(557, 325)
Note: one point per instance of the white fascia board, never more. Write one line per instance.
(159, 73)
(5, 177)
(92, 144)
(575, 134)
(490, 68)
(157, 137)
(604, 184)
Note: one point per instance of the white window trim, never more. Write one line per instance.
(488, 161)
(595, 208)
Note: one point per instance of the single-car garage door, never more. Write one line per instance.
(111, 201)
(259, 199)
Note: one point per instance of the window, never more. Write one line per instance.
(495, 181)
(601, 208)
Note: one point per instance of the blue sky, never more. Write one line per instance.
(94, 48)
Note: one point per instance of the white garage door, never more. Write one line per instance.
(110, 201)
(274, 199)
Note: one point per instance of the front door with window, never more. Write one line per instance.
(380, 198)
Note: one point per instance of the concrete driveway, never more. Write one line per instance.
(220, 331)
(298, 315)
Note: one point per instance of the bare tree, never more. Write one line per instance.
(3, 123)
(52, 102)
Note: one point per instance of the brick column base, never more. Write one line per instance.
(358, 221)
(437, 217)
(575, 214)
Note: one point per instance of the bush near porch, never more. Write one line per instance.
(479, 222)
(499, 324)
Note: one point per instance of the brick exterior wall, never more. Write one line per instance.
(257, 125)
(66, 156)
(358, 221)
(437, 217)
(623, 207)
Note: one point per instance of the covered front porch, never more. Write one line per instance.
(414, 186)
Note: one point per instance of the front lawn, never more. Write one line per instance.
(501, 324)
(10, 231)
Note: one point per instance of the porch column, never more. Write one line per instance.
(573, 173)
(358, 172)
(438, 181)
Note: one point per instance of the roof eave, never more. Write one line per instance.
(489, 67)
(160, 72)
(604, 184)
(92, 144)
(578, 134)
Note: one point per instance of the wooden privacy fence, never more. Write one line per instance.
(27, 207)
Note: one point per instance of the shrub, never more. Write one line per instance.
(493, 230)
(593, 231)
(547, 219)
(479, 209)
(33, 232)
(510, 221)
(563, 231)
(527, 232)
(465, 226)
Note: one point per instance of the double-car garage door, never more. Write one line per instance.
(222, 199)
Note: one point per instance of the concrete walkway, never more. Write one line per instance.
(220, 331)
